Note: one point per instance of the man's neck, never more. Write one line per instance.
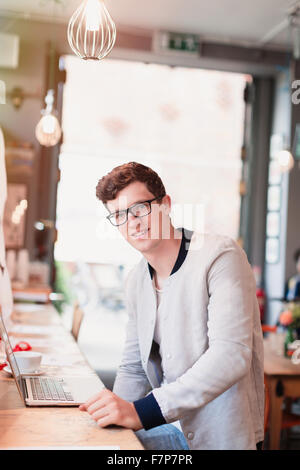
(163, 257)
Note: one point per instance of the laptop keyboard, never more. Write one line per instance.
(46, 388)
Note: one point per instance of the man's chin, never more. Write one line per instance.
(143, 244)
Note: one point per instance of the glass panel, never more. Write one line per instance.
(275, 174)
(274, 198)
(272, 250)
(273, 224)
(185, 123)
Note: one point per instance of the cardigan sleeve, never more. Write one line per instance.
(131, 381)
(149, 412)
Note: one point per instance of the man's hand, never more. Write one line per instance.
(107, 408)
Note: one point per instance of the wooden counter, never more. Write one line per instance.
(43, 427)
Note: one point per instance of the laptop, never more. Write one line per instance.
(47, 390)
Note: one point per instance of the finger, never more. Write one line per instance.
(93, 399)
(106, 398)
(96, 406)
(104, 411)
(106, 421)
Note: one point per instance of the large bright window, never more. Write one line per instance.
(185, 123)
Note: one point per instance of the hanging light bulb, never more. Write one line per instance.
(91, 30)
(285, 160)
(48, 131)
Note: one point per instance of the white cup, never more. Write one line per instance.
(28, 361)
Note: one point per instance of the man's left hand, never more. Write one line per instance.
(108, 408)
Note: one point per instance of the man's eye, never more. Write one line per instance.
(140, 209)
(120, 215)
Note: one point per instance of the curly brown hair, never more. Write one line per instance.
(121, 176)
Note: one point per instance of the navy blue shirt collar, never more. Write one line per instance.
(183, 250)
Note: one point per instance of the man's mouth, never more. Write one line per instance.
(140, 234)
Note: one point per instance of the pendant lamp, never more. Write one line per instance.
(91, 30)
(48, 131)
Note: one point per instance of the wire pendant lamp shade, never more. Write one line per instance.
(91, 30)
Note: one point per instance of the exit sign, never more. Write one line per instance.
(179, 42)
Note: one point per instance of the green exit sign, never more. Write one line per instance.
(180, 42)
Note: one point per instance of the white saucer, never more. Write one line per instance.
(37, 372)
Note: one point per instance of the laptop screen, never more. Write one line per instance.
(11, 358)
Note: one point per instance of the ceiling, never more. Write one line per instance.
(236, 21)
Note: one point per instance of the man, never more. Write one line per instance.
(193, 351)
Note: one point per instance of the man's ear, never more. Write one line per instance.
(167, 204)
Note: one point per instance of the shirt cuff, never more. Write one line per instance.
(149, 412)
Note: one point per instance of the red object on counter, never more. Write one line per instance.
(22, 346)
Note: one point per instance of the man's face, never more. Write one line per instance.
(143, 233)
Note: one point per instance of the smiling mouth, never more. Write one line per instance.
(140, 234)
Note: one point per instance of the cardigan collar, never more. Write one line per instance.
(183, 251)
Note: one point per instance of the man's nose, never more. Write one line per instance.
(133, 221)
(131, 216)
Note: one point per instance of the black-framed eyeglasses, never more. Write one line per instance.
(140, 209)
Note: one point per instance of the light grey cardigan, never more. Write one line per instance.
(211, 349)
